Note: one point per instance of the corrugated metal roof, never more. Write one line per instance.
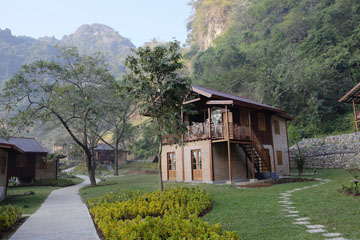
(213, 93)
(25, 144)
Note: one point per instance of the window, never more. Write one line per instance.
(279, 157)
(244, 118)
(42, 162)
(277, 126)
(2, 164)
(21, 161)
(261, 121)
(171, 161)
(196, 159)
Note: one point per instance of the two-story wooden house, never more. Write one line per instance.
(229, 139)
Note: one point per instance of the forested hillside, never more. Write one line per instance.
(299, 55)
(89, 39)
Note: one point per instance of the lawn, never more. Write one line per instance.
(30, 203)
(256, 213)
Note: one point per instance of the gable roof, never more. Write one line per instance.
(27, 145)
(103, 147)
(353, 94)
(210, 93)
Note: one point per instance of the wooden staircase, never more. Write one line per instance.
(261, 157)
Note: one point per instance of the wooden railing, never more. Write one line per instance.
(265, 158)
(240, 132)
(198, 131)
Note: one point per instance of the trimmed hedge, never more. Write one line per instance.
(60, 182)
(9, 215)
(174, 215)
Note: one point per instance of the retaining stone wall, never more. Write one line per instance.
(341, 151)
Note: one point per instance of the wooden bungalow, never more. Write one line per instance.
(25, 159)
(106, 155)
(353, 97)
(229, 139)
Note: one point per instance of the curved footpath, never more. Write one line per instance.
(63, 215)
(290, 209)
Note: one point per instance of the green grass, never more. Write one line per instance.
(29, 204)
(256, 213)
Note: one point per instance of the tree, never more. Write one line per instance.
(118, 108)
(159, 89)
(68, 91)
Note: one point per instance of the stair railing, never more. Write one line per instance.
(265, 158)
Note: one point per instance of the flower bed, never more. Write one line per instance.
(175, 215)
(9, 215)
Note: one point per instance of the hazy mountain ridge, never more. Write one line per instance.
(89, 39)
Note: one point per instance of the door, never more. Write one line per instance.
(196, 165)
(171, 165)
(230, 117)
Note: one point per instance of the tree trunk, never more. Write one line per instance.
(116, 165)
(91, 168)
(161, 184)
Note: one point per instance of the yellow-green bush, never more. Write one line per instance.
(174, 215)
(9, 215)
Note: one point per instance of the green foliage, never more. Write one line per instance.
(300, 160)
(147, 146)
(67, 91)
(301, 56)
(130, 215)
(9, 215)
(60, 182)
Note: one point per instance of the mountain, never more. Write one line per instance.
(299, 55)
(89, 39)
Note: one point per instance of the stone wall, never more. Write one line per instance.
(341, 151)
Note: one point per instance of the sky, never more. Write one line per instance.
(138, 20)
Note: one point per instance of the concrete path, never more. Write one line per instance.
(62, 216)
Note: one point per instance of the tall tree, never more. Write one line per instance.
(118, 108)
(68, 90)
(159, 89)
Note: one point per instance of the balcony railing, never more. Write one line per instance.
(200, 131)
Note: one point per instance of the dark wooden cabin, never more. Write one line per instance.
(106, 155)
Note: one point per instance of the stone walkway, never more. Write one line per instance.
(62, 216)
(291, 212)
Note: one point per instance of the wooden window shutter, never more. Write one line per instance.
(244, 118)
(261, 121)
(277, 126)
(279, 157)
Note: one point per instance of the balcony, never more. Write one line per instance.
(200, 131)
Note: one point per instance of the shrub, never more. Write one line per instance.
(174, 215)
(60, 182)
(9, 215)
(300, 160)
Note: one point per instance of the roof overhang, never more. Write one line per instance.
(10, 146)
(352, 96)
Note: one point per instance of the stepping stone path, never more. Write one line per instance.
(290, 211)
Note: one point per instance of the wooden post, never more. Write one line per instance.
(228, 141)
(210, 147)
(354, 108)
(182, 147)
(252, 150)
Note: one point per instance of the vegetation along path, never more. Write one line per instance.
(290, 210)
(62, 216)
